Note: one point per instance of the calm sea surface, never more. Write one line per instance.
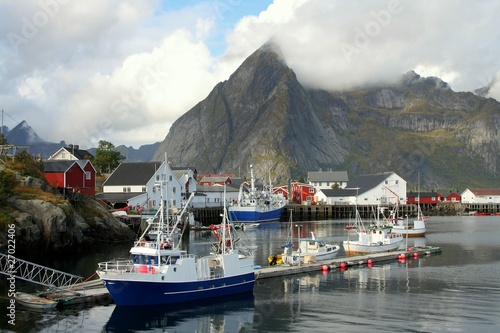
(456, 291)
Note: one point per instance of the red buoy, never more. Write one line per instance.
(324, 268)
(342, 265)
(415, 255)
(369, 262)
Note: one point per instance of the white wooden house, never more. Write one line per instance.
(135, 184)
(71, 153)
(163, 184)
(327, 179)
(481, 196)
(377, 189)
(213, 196)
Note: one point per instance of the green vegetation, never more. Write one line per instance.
(27, 165)
(3, 140)
(8, 183)
(106, 158)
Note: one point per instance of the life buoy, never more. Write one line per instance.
(165, 245)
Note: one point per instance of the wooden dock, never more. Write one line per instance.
(94, 293)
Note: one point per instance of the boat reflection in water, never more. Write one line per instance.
(214, 315)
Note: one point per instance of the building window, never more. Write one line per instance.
(311, 190)
(88, 176)
(170, 178)
(63, 155)
(124, 189)
(157, 178)
(144, 189)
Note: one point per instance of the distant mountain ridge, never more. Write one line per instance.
(262, 115)
(24, 135)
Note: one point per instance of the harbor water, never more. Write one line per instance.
(455, 291)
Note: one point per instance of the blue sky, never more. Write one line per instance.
(227, 14)
(125, 70)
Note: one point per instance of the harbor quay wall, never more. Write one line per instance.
(212, 215)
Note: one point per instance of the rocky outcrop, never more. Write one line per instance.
(44, 226)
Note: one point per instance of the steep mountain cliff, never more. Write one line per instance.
(263, 116)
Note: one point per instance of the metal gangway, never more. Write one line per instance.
(31, 272)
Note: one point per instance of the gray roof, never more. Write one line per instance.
(215, 179)
(367, 182)
(57, 165)
(133, 173)
(423, 194)
(217, 188)
(77, 152)
(339, 193)
(327, 176)
(116, 197)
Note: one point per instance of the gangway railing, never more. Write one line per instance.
(31, 272)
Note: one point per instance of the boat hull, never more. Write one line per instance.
(126, 292)
(294, 258)
(415, 229)
(410, 233)
(253, 214)
(353, 247)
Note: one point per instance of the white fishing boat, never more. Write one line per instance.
(415, 228)
(160, 272)
(34, 301)
(309, 250)
(377, 237)
(255, 206)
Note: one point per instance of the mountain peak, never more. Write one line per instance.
(23, 134)
(412, 79)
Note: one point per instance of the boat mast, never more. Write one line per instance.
(252, 182)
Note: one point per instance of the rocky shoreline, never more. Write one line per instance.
(47, 227)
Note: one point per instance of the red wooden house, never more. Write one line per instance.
(75, 176)
(453, 197)
(426, 198)
(303, 193)
(283, 190)
(215, 180)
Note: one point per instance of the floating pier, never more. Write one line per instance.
(345, 262)
(94, 293)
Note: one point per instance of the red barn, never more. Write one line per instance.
(78, 176)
